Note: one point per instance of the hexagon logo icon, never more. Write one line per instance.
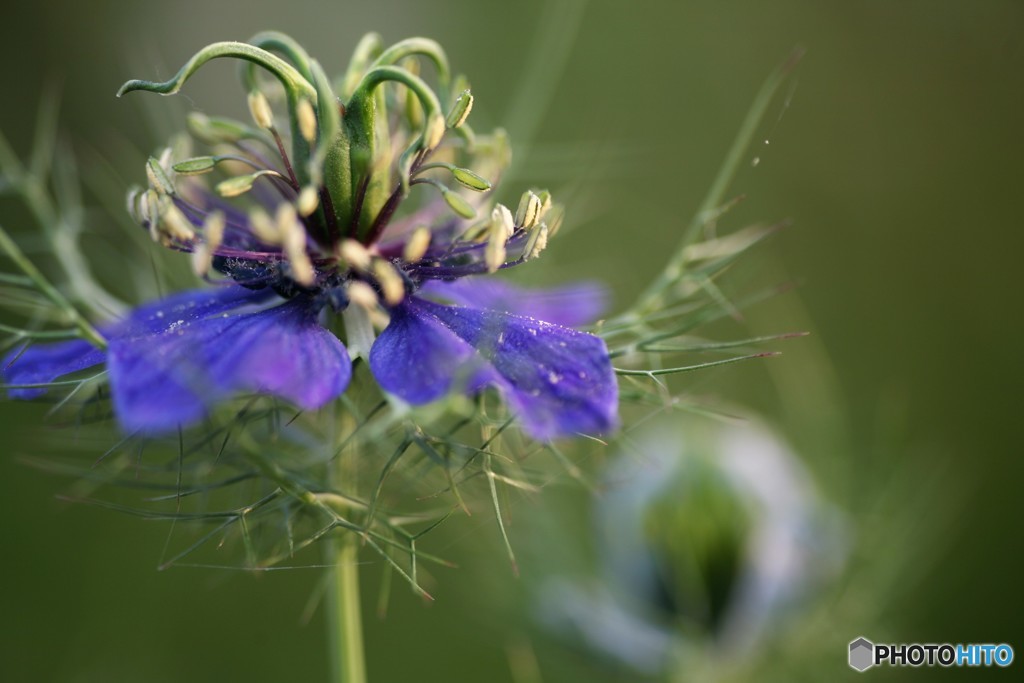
(862, 654)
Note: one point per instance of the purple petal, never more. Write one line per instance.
(162, 379)
(419, 359)
(573, 305)
(184, 307)
(43, 363)
(559, 381)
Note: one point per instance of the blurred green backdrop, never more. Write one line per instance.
(898, 160)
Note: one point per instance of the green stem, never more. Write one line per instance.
(649, 300)
(8, 246)
(344, 614)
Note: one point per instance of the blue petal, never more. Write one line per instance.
(558, 381)
(160, 380)
(573, 305)
(43, 363)
(185, 307)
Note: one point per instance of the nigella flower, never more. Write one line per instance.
(708, 535)
(336, 225)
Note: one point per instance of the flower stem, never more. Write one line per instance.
(344, 614)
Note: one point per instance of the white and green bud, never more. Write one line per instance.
(460, 110)
(458, 203)
(470, 179)
(157, 177)
(239, 185)
(195, 166)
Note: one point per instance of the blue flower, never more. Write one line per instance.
(288, 244)
(709, 536)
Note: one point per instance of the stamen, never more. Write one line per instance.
(213, 235)
(173, 223)
(545, 204)
(354, 254)
(417, 246)
(309, 200)
(259, 109)
(391, 283)
(213, 229)
(294, 243)
(502, 215)
(460, 111)
(537, 243)
(528, 212)
(158, 179)
(264, 228)
(362, 295)
(435, 132)
(498, 234)
(307, 120)
(148, 208)
(239, 185)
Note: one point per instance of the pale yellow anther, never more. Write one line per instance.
(555, 222)
(309, 199)
(545, 204)
(213, 235)
(286, 218)
(213, 230)
(157, 176)
(294, 243)
(435, 132)
(417, 245)
(202, 259)
(150, 213)
(529, 210)
(537, 242)
(264, 227)
(503, 217)
(494, 252)
(391, 283)
(132, 203)
(354, 254)
(307, 120)
(259, 108)
(362, 295)
(174, 224)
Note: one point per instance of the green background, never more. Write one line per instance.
(898, 160)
